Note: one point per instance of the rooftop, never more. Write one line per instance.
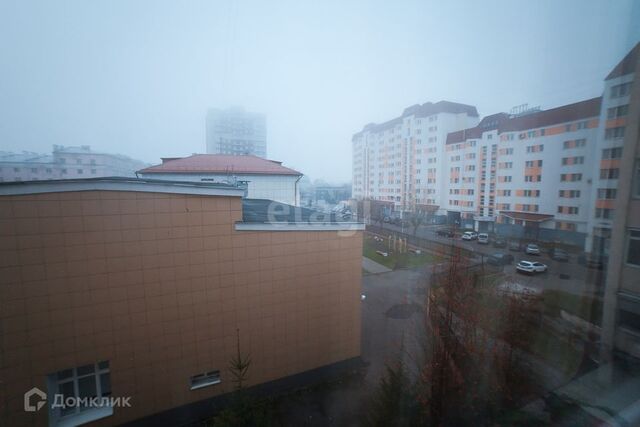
(627, 65)
(267, 211)
(424, 110)
(505, 123)
(220, 163)
(118, 184)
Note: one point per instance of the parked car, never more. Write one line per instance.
(445, 232)
(499, 242)
(532, 249)
(559, 254)
(500, 258)
(514, 247)
(483, 238)
(469, 235)
(531, 267)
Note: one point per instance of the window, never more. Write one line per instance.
(615, 112)
(80, 171)
(612, 153)
(607, 193)
(609, 173)
(614, 133)
(48, 170)
(633, 247)
(620, 90)
(88, 381)
(16, 169)
(604, 213)
(34, 170)
(206, 379)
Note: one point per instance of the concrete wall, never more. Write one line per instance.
(157, 284)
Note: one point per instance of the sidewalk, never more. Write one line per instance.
(373, 267)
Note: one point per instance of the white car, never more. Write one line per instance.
(532, 249)
(531, 267)
(483, 238)
(469, 235)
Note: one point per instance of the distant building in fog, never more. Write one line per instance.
(64, 163)
(237, 132)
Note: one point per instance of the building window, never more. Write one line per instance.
(204, 380)
(615, 112)
(80, 171)
(63, 171)
(614, 133)
(633, 247)
(636, 180)
(609, 173)
(93, 171)
(84, 382)
(612, 153)
(620, 90)
(48, 170)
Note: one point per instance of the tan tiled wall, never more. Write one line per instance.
(157, 284)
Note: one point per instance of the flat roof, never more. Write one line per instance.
(118, 184)
(263, 214)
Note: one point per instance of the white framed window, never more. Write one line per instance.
(84, 382)
(204, 380)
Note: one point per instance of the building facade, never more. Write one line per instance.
(65, 163)
(619, 233)
(399, 161)
(262, 178)
(529, 170)
(539, 174)
(236, 132)
(114, 288)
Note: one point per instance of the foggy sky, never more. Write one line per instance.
(136, 77)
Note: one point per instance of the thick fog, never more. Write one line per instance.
(136, 77)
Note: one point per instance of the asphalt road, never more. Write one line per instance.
(581, 280)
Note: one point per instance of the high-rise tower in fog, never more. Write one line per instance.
(237, 132)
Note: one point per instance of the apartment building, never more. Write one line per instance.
(65, 163)
(617, 196)
(138, 289)
(237, 132)
(526, 174)
(397, 161)
(262, 178)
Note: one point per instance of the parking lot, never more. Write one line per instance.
(568, 276)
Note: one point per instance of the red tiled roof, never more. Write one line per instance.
(627, 65)
(527, 216)
(220, 163)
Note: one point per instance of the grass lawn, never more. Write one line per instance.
(395, 260)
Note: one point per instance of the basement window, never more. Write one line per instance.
(204, 380)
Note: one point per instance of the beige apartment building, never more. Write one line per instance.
(128, 288)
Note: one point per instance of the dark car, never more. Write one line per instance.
(499, 242)
(500, 259)
(445, 232)
(514, 246)
(558, 254)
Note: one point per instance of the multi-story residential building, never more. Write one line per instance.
(237, 132)
(139, 290)
(262, 178)
(528, 171)
(398, 161)
(65, 163)
(617, 196)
